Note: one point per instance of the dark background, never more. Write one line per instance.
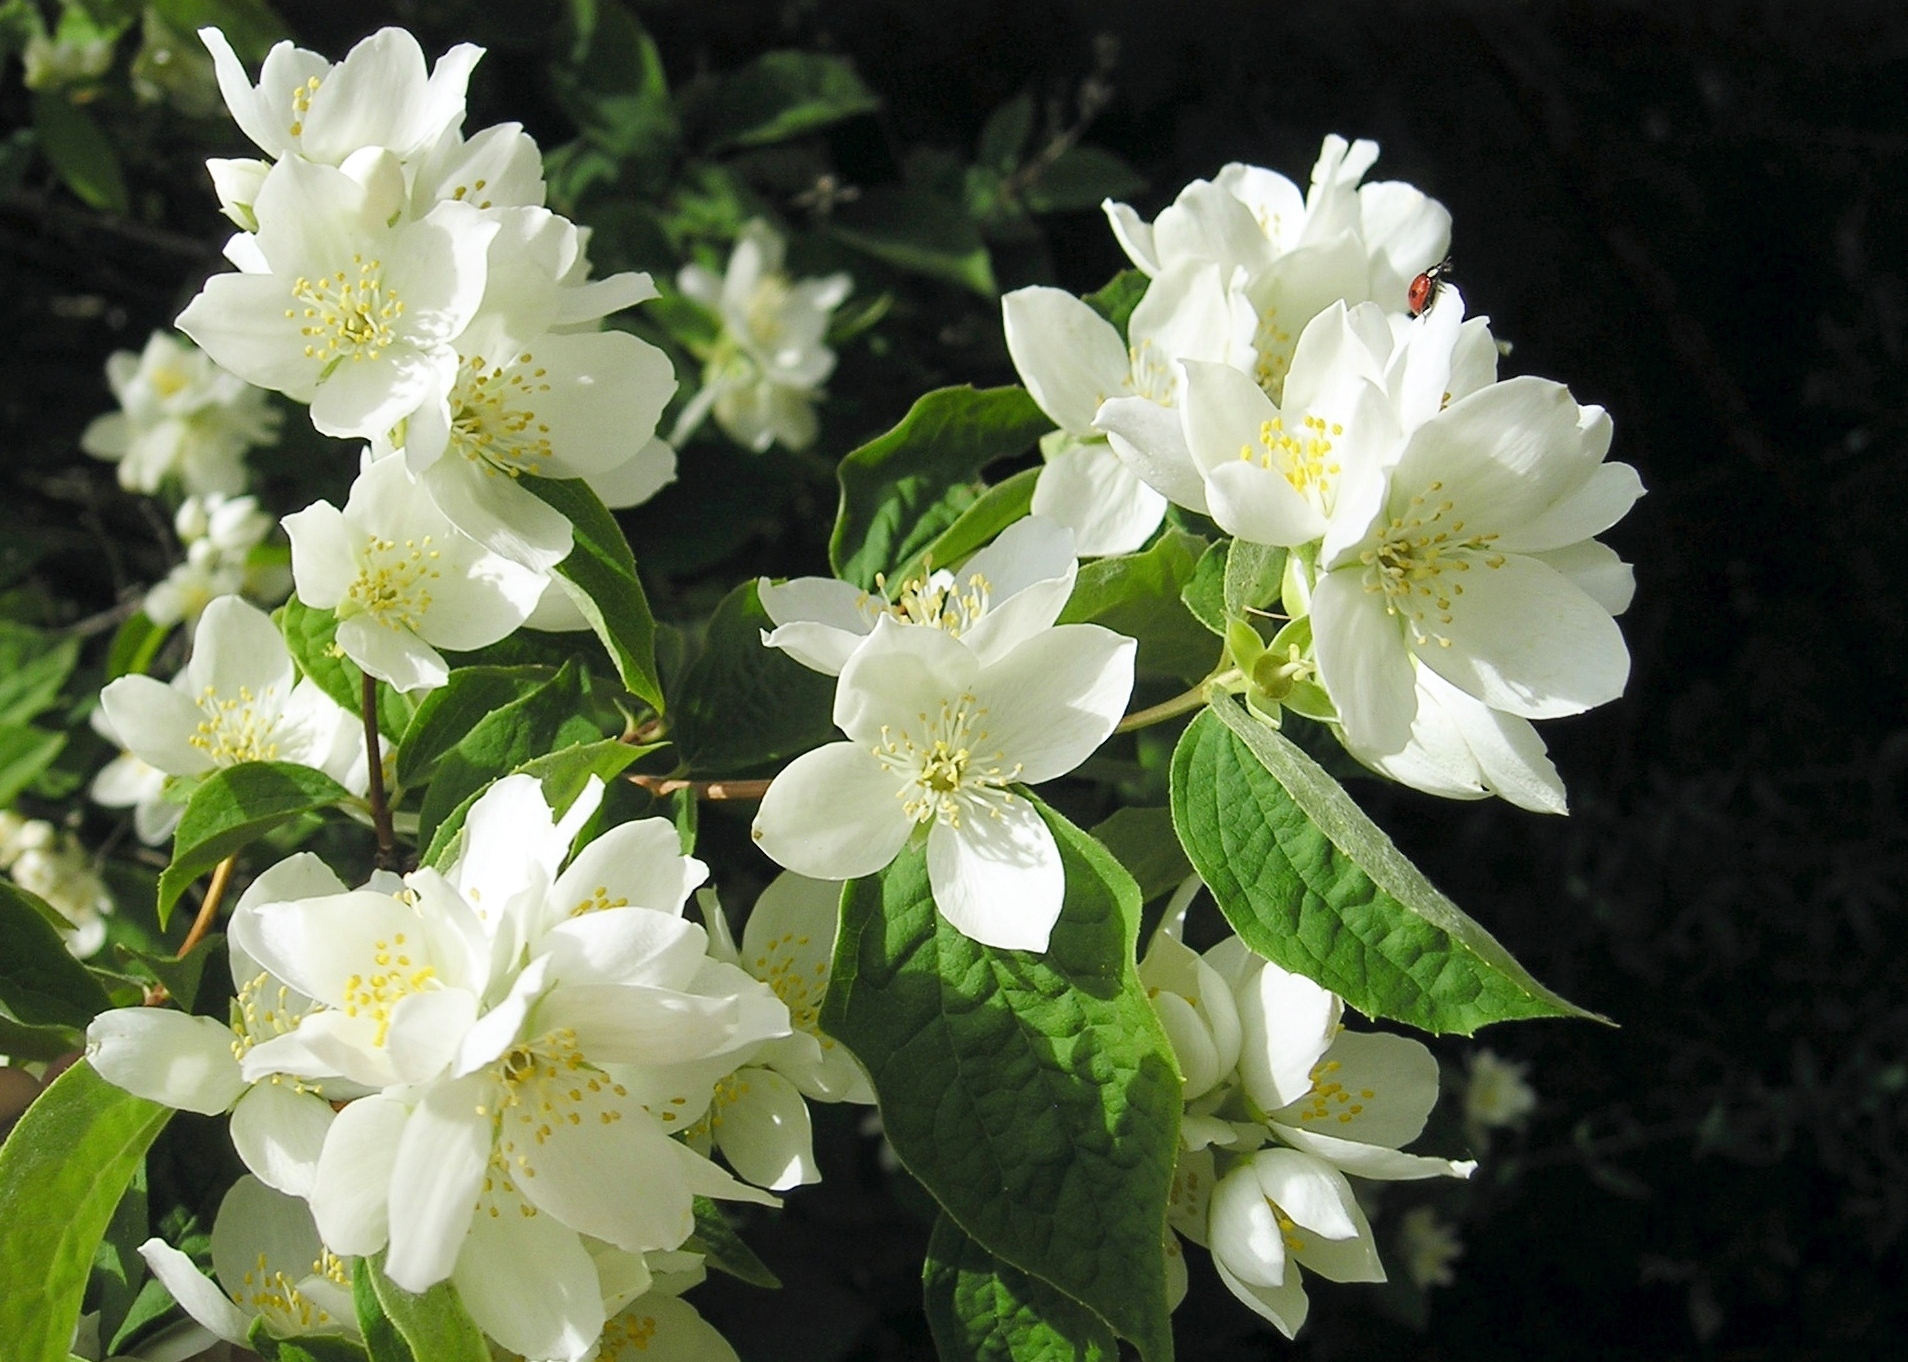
(1693, 215)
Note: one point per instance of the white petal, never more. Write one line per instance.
(637, 478)
(625, 946)
(1604, 498)
(1525, 640)
(1362, 662)
(157, 723)
(901, 673)
(1068, 355)
(1149, 439)
(1091, 490)
(998, 879)
(1372, 1086)
(392, 654)
(1285, 1305)
(167, 1057)
(612, 1174)
(833, 814)
(1047, 705)
(197, 1293)
(1244, 1232)
(279, 1132)
(1370, 1160)
(324, 561)
(765, 1132)
(439, 1169)
(1134, 235)
(1286, 1022)
(1310, 1191)
(237, 647)
(351, 1191)
(555, 1311)
(1260, 505)
(1595, 570)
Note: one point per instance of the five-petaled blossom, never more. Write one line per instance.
(941, 739)
(181, 416)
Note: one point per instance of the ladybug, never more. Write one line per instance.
(1424, 289)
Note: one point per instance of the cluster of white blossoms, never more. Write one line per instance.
(763, 374)
(182, 418)
(483, 1072)
(953, 696)
(57, 867)
(409, 285)
(219, 534)
(1444, 586)
(1282, 1102)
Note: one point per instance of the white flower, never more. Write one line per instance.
(219, 534)
(500, 167)
(1429, 1246)
(1276, 1210)
(1252, 218)
(1479, 564)
(938, 739)
(1193, 1001)
(55, 866)
(181, 417)
(765, 373)
(1497, 1092)
(378, 96)
(1072, 360)
(563, 405)
(238, 699)
(504, 1013)
(195, 1063)
(345, 304)
(1004, 595)
(403, 579)
(270, 1266)
(126, 782)
(265, 1274)
(662, 1327)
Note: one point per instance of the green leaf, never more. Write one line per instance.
(1313, 884)
(1140, 595)
(1116, 300)
(403, 1326)
(79, 151)
(180, 976)
(311, 636)
(135, 644)
(1034, 1096)
(546, 719)
(1205, 594)
(321, 1348)
(118, 1270)
(33, 667)
(62, 1173)
(781, 95)
(1082, 177)
(25, 751)
(1253, 574)
(451, 711)
(604, 569)
(1005, 135)
(918, 231)
(742, 705)
(40, 984)
(611, 81)
(234, 807)
(895, 489)
(981, 1310)
(1143, 840)
(38, 1042)
(563, 775)
(994, 510)
(717, 1240)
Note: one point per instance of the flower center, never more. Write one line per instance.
(393, 582)
(346, 318)
(1417, 562)
(547, 1085)
(494, 422)
(274, 1295)
(1329, 1099)
(946, 776)
(631, 1332)
(1274, 345)
(395, 978)
(1153, 374)
(766, 314)
(938, 601)
(471, 191)
(781, 969)
(1303, 459)
(263, 1010)
(236, 730)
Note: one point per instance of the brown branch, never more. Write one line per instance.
(704, 789)
(202, 924)
(374, 764)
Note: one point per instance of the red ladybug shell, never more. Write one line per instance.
(1424, 289)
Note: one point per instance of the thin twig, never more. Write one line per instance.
(208, 914)
(1183, 703)
(704, 789)
(374, 764)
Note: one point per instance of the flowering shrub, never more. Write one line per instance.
(493, 1081)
